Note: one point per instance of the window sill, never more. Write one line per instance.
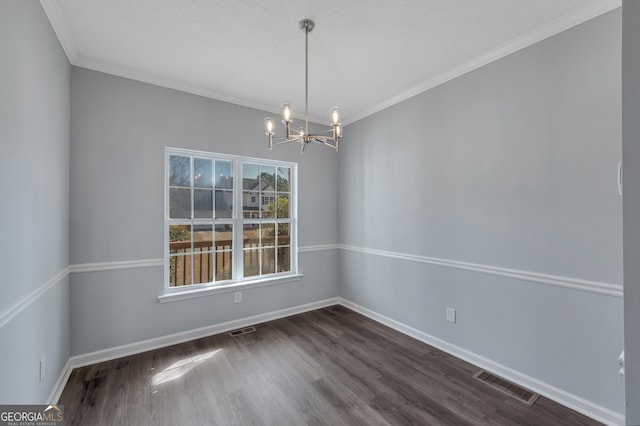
(175, 295)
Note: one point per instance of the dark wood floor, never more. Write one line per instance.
(327, 367)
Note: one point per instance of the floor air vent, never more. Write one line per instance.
(241, 331)
(505, 386)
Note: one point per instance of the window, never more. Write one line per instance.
(228, 219)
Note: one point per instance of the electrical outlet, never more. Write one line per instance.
(42, 368)
(237, 297)
(451, 315)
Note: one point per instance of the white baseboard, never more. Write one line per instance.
(560, 396)
(567, 399)
(173, 339)
(54, 396)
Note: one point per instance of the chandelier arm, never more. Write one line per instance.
(288, 140)
(323, 137)
(333, 146)
(318, 137)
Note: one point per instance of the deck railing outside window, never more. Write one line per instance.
(205, 259)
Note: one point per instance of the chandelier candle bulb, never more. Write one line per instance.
(268, 130)
(286, 113)
(286, 119)
(336, 116)
(268, 126)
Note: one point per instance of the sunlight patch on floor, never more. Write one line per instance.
(180, 368)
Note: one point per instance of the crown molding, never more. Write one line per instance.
(61, 28)
(156, 80)
(543, 32)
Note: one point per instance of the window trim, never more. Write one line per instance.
(204, 289)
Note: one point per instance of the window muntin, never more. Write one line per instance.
(220, 233)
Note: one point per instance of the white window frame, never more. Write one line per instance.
(238, 282)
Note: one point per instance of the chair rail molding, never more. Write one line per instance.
(12, 311)
(607, 289)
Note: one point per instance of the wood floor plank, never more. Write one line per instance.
(326, 367)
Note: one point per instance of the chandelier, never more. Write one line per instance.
(331, 137)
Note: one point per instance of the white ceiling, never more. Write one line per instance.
(364, 55)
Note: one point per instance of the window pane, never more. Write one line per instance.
(202, 268)
(224, 265)
(283, 234)
(251, 235)
(202, 173)
(180, 203)
(251, 263)
(268, 261)
(250, 177)
(267, 178)
(284, 259)
(250, 205)
(203, 203)
(282, 206)
(224, 178)
(224, 204)
(179, 239)
(224, 237)
(268, 202)
(179, 171)
(179, 270)
(202, 238)
(284, 176)
(268, 235)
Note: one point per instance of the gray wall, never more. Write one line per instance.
(512, 166)
(34, 169)
(119, 129)
(631, 154)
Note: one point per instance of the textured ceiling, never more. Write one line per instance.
(364, 55)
